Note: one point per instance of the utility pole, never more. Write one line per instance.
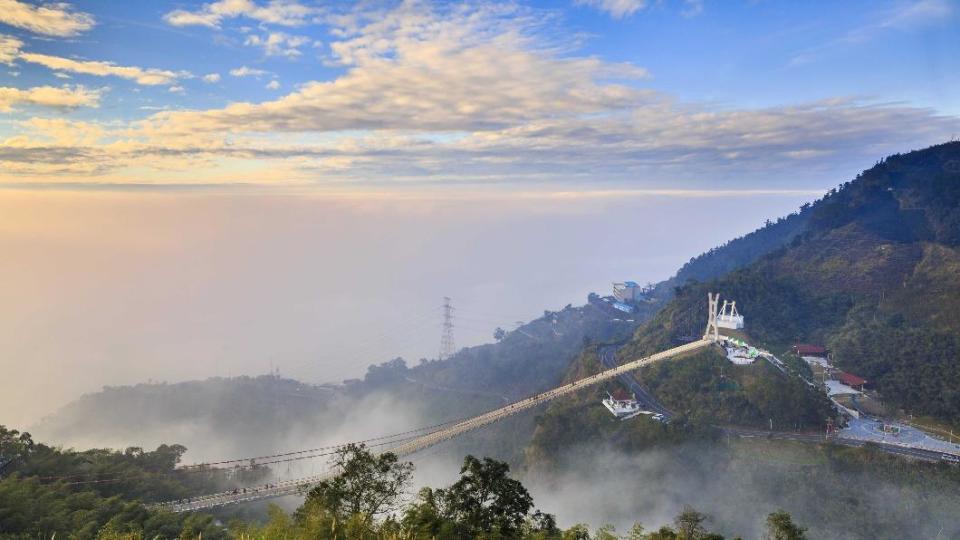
(447, 346)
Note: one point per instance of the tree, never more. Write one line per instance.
(541, 526)
(606, 532)
(486, 499)
(427, 517)
(780, 526)
(499, 334)
(580, 531)
(689, 524)
(636, 532)
(368, 486)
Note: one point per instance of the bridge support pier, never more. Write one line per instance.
(713, 331)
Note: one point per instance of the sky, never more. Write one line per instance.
(586, 95)
(192, 189)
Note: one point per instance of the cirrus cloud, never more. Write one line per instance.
(616, 8)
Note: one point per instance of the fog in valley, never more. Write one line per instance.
(108, 288)
(737, 486)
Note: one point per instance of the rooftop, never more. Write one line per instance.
(805, 349)
(850, 379)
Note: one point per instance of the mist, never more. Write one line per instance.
(113, 288)
(737, 486)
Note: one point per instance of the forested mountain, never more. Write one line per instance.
(874, 273)
(875, 276)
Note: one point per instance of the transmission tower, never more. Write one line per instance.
(447, 347)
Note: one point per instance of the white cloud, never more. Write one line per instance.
(460, 68)
(9, 49)
(49, 96)
(273, 85)
(211, 78)
(64, 132)
(244, 71)
(176, 89)
(52, 19)
(278, 43)
(616, 8)
(279, 12)
(149, 77)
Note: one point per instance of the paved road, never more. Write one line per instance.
(817, 438)
(608, 357)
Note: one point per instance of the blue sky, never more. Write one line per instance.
(563, 96)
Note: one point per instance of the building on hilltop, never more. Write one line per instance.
(629, 291)
(805, 349)
(851, 380)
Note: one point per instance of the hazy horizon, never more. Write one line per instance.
(121, 288)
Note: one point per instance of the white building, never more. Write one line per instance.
(628, 291)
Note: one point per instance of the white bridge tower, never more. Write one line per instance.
(713, 331)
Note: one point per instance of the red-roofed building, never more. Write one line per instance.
(851, 380)
(805, 349)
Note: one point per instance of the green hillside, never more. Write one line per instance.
(874, 277)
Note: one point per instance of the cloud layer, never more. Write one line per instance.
(473, 94)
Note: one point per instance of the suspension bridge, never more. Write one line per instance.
(449, 431)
